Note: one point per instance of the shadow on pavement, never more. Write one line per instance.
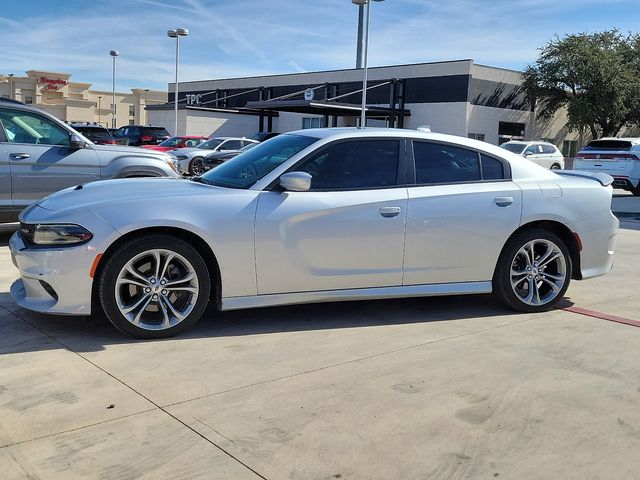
(88, 334)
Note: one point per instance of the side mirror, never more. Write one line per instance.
(76, 142)
(528, 154)
(296, 181)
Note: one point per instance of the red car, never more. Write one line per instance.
(185, 141)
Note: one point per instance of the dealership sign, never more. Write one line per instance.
(54, 84)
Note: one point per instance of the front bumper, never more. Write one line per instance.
(53, 280)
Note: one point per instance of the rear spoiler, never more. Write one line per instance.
(602, 178)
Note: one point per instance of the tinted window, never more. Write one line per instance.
(94, 133)
(24, 127)
(354, 165)
(513, 147)
(624, 145)
(437, 163)
(155, 131)
(492, 169)
(548, 149)
(532, 149)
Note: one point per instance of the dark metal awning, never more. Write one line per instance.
(325, 107)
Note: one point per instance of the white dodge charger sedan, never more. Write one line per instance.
(311, 216)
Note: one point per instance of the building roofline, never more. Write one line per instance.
(499, 68)
(328, 71)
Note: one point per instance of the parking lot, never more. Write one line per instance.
(451, 387)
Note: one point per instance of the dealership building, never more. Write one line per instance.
(55, 93)
(456, 97)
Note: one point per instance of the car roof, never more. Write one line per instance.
(528, 142)
(634, 140)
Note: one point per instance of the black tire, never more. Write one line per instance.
(196, 166)
(502, 279)
(556, 166)
(636, 190)
(116, 262)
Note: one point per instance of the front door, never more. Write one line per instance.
(346, 232)
(461, 212)
(40, 158)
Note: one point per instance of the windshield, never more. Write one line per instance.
(513, 147)
(170, 142)
(252, 165)
(210, 144)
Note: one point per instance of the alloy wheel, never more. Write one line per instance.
(157, 289)
(538, 272)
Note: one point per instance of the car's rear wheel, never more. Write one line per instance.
(196, 166)
(533, 271)
(636, 190)
(154, 286)
(556, 166)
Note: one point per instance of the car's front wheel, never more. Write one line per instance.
(533, 271)
(196, 166)
(154, 286)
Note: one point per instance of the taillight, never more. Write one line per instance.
(607, 156)
(146, 138)
(109, 142)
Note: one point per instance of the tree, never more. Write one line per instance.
(596, 77)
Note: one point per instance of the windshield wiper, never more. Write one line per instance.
(202, 180)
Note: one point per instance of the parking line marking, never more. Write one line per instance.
(602, 316)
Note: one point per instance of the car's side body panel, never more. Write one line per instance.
(455, 232)
(330, 240)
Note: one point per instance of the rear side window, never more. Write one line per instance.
(623, 145)
(492, 169)
(548, 149)
(356, 164)
(437, 163)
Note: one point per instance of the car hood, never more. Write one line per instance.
(127, 192)
(187, 151)
(132, 150)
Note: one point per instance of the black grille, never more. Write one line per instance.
(26, 231)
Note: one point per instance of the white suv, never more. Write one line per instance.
(544, 154)
(619, 157)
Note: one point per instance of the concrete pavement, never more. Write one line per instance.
(439, 388)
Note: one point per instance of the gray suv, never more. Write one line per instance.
(40, 155)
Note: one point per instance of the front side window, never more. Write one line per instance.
(531, 149)
(355, 164)
(252, 165)
(25, 127)
(192, 142)
(210, 144)
(437, 163)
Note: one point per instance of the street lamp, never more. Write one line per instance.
(99, 112)
(177, 33)
(363, 50)
(114, 54)
(146, 103)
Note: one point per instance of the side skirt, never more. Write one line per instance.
(436, 289)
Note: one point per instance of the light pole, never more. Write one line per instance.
(114, 54)
(146, 103)
(177, 33)
(99, 112)
(363, 51)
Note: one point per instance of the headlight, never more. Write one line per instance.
(172, 163)
(182, 157)
(55, 234)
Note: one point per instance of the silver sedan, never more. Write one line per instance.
(312, 216)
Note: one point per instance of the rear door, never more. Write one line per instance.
(41, 161)
(346, 232)
(462, 209)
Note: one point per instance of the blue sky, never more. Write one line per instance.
(230, 38)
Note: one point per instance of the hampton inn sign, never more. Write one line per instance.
(53, 84)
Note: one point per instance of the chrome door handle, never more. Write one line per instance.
(389, 212)
(503, 201)
(19, 156)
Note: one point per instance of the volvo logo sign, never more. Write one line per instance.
(309, 93)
